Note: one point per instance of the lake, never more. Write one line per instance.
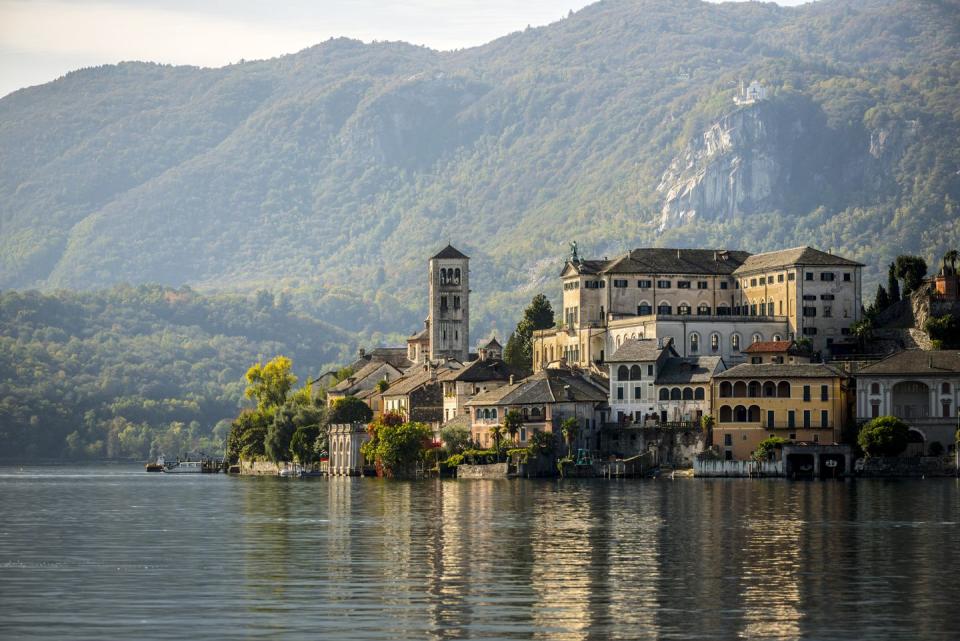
(109, 551)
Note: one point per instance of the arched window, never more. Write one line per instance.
(493, 413)
(443, 277)
(945, 388)
(623, 374)
(456, 276)
(726, 414)
(875, 388)
(735, 342)
(635, 373)
(769, 389)
(683, 309)
(740, 414)
(726, 389)
(698, 394)
(723, 310)
(688, 393)
(618, 341)
(754, 415)
(777, 337)
(664, 308)
(714, 342)
(644, 309)
(703, 309)
(757, 338)
(694, 343)
(484, 413)
(753, 389)
(675, 394)
(783, 389)
(535, 411)
(664, 394)
(740, 389)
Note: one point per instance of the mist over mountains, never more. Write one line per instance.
(335, 172)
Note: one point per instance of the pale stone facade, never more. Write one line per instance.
(448, 322)
(345, 458)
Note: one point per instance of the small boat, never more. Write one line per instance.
(156, 466)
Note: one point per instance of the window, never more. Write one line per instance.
(663, 284)
(808, 276)
(735, 342)
(728, 440)
(791, 419)
(619, 392)
(806, 392)
(824, 418)
(644, 284)
(828, 276)
(649, 370)
(702, 284)
(636, 392)
(698, 394)
(763, 280)
(809, 297)
(694, 343)
(945, 388)
(875, 388)
(770, 422)
(825, 296)
(456, 302)
(619, 282)
(723, 310)
(875, 409)
(809, 311)
(714, 342)
(664, 308)
(779, 278)
(683, 309)
(756, 360)
(644, 309)
(724, 285)
(443, 302)
(635, 373)
(824, 392)
(791, 276)
(688, 393)
(806, 419)
(753, 282)
(757, 338)
(623, 373)
(827, 311)
(810, 331)
(664, 394)
(675, 394)
(846, 277)
(683, 284)
(703, 310)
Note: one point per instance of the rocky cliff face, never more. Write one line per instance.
(776, 155)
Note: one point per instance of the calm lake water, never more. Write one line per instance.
(100, 552)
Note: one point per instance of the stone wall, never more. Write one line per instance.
(737, 468)
(490, 471)
(906, 467)
(260, 468)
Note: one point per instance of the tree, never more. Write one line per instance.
(512, 422)
(456, 438)
(542, 442)
(881, 301)
(862, 330)
(496, 433)
(279, 434)
(350, 409)
(883, 436)
(944, 331)
(911, 269)
(538, 315)
(397, 446)
(302, 445)
(767, 447)
(269, 384)
(893, 284)
(570, 428)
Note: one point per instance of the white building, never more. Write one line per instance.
(344, 449)
(921, 388)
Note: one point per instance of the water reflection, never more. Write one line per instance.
(579, 560)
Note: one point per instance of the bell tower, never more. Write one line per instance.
(449, 317)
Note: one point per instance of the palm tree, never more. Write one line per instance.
(569, 428)
(496, 432)
(512, 422)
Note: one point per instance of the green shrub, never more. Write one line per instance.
(883, 436)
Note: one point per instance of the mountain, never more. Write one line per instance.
(335, 172)
(107, 373)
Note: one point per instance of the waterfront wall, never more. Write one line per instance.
(260, 468)
(737, 468)
(906, 467)
(491, 471)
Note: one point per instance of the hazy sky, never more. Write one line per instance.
(43, 39)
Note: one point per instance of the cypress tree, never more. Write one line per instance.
(893, 285)
(882, 301)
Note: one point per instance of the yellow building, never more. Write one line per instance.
(809, 403)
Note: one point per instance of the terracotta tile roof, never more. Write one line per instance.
(770, 347)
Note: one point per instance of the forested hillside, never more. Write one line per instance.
(111, 373)
(341, 168)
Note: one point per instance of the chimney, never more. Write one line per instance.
(678, 253)
(567, 393)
